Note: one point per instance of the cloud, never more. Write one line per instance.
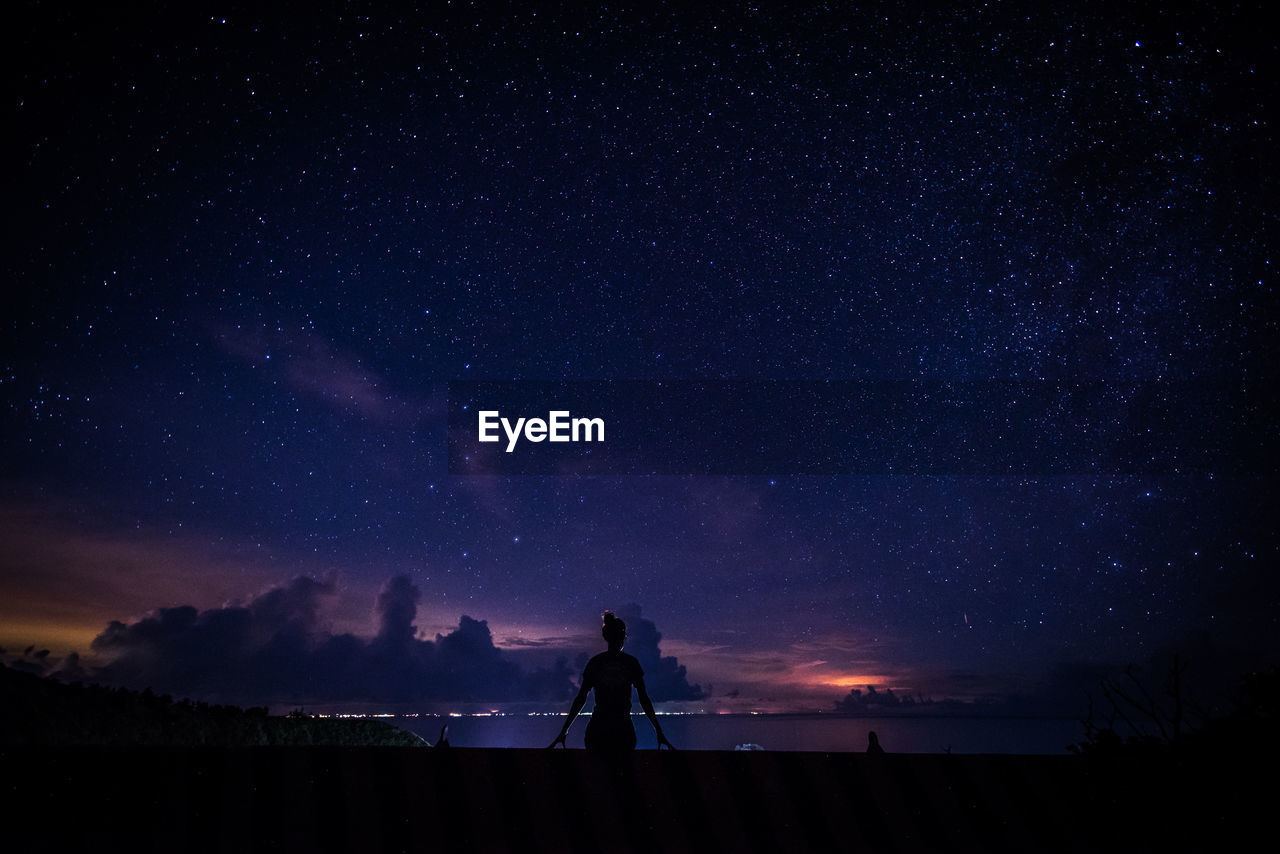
(664, 677)
(529, 643)
(311, 367)
(274, 649)
(397, 607)
(857, 702)
(279, 647)
(62, 577)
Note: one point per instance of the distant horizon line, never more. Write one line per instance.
(700, 714)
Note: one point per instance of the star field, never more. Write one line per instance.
(247, 252)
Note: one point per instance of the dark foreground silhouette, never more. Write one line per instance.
(44, 711)
(530, 800)
(81, 792)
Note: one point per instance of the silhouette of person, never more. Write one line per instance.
(610, 675)
(873, 743)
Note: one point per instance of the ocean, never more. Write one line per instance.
(820, 733)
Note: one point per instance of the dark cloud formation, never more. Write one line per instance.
(664, 677)
(31, 661)
(274, 649)
(856, 702)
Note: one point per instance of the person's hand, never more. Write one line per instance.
(662, 739)
(560, 741)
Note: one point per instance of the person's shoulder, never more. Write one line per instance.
(631, 661)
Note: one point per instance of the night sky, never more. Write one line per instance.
(246, 253)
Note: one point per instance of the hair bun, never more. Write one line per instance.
(614, 630)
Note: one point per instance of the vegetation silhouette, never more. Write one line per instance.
(1137, 720)
(611, 675)
(38, 710)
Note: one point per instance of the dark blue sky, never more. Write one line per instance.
(247, 252)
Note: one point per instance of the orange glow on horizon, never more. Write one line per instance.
(846, 682)
(57, 635)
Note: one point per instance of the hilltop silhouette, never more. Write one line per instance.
(44, 711)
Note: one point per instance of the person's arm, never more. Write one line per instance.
(578, 702)
(647, 705)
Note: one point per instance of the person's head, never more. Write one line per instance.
(614, 631)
